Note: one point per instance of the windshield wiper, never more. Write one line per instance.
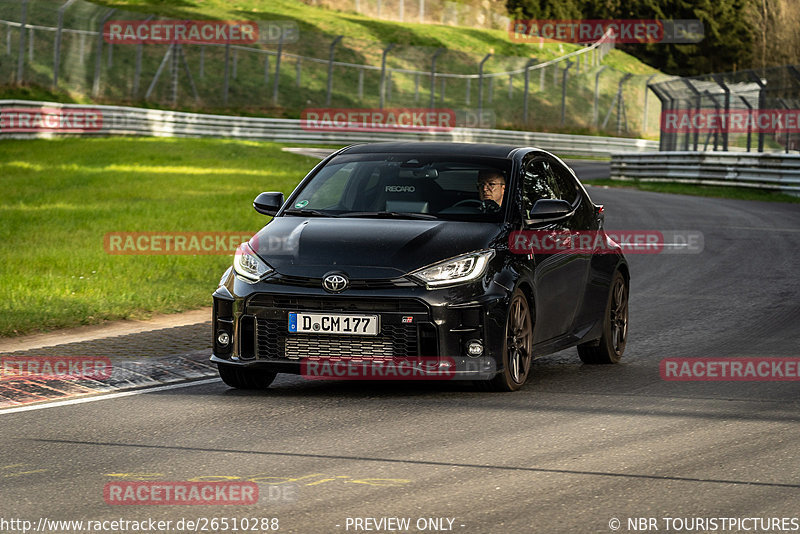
(306, 212)
(388, 215)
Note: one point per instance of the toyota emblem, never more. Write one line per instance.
(335, 283)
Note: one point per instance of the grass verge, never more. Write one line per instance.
(62, 196)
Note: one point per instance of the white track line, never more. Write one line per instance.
(107, 397)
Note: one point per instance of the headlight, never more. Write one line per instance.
(248, 266)
(455, 270)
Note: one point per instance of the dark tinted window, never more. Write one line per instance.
(441, 186)
(565, 183)
(538, 182)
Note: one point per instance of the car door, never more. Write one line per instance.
(559, 275)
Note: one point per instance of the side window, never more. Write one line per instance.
(565, 183)
(538, 181)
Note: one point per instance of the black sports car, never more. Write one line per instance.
(408, 251)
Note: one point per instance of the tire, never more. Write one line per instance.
(243, 378)
(611, 345)
(517, 346)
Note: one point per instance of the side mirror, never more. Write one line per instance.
(268, 203)
(550, 209)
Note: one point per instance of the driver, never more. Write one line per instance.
(491, 186)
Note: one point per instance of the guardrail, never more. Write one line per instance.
(43, 121)
(780, 172)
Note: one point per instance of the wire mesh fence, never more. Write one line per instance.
(750, 110)
(68, 47)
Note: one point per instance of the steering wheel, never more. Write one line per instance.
(468, 202)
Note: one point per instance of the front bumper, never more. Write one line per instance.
(434, 325)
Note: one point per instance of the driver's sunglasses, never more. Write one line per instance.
(491, 185)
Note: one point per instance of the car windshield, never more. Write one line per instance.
(406, 186)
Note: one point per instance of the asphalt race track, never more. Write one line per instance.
(577, 449)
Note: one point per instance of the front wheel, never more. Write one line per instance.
(518, 346)
(244, 378)
(615, 327)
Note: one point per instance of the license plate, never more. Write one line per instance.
(333, 323)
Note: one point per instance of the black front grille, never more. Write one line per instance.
(397, 338)
(394, 340)
(301, 281)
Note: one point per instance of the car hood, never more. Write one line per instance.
(365, 248)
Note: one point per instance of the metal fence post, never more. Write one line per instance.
(564, 92)
(596, 109)
(667, 140)
(421, 11)
(698, 103)
(21, 52)
(480, 82)
(99, 52)
(226, 75)
(614, 102)
(330, 68)
(266, 70)
(762, 98)
(749, 121)
(360, 84)
(530, 63)
(382, 89)
(644, 118)
(436, 54)
(786, 133)
(277, 71)
(174, 73)
(138, 68)
(622, 111)
(82, 47)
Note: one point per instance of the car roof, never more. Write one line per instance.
(449, 149)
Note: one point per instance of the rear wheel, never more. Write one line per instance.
(615, 327)
(518, 346)
(244, 378)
